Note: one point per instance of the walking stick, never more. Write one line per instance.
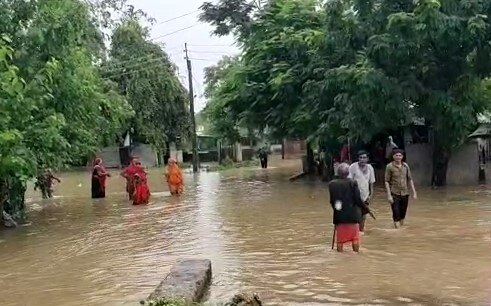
(369, 211)
(333, 237)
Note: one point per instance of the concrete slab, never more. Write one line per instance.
(188, 280)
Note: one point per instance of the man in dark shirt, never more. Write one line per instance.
(346, 202)
(263, 157)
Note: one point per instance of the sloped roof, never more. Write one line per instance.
(483, 131)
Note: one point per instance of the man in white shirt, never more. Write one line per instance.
(362, 172)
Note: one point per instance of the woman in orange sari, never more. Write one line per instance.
(174, 178)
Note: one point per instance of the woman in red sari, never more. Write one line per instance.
(99, 175)
(142, 192)
(174, 178)
(129, 174)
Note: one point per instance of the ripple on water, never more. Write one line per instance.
(262, 233)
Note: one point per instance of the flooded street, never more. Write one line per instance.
(262, 234)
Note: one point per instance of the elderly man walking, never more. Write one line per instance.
(364, 175)
(347, 205)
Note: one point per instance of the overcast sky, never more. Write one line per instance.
(205, 49)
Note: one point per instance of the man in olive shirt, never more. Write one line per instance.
(397, 178)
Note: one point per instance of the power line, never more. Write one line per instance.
(176, 31)
(209, 52)
(165, 50)
(136, 65)
(231, 45)
(202, 59)
(146, 61)
(178, 17)
(150, 58)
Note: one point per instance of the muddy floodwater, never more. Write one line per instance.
(262, 233)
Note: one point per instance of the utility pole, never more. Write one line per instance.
(194, 138)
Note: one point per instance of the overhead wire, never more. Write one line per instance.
(178, 17)
(208, 52)
(175, 32)
(150, 58)
(147, 59)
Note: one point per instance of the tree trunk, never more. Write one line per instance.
(328, 172)
(15, 205)
(441, 158)
(310, 160)
(283, 148)
(11, 203)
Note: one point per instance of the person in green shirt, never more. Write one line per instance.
(398, 180)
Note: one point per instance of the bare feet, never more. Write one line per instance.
(396, 226)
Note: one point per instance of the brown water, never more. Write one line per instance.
(262, 233)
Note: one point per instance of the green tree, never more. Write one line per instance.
(355, 68)
(218, 84)
(65, 111)
(148, 79)
(416, 59)
(64, 30)
(29, 128)
(232, 16)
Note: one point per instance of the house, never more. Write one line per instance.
(119, 156)
(463, 167)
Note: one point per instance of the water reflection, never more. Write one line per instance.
(262, 233)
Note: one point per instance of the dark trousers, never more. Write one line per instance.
(264, 163)
(399, 207)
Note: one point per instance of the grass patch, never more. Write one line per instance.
(228, 164)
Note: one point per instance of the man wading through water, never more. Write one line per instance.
(364, 175)
(347, 205)
(397, 177)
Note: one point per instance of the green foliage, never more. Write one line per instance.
(62, 99)
(144, 73)
(355, 68)
(29, 130)
(62, 33)
(231, 16)
(222, 92)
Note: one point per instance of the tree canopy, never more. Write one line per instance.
(64, 96)
(150, 83)
(355, 68)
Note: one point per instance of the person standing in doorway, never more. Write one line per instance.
(347, 204)
(364, 175)
(398, 179)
